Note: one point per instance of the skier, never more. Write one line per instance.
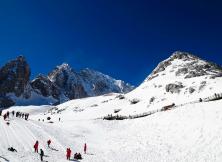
(0, 112)
(36, 146)
(49, 142)
(41, 154)
(85, 148)
(68, 153)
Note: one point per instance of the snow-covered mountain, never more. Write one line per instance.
(181, 78)
(190, 130)
(61, 85)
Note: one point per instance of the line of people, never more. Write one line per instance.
(68, 151)
(21, 115)
(17, 114)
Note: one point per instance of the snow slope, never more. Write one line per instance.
(189, 133)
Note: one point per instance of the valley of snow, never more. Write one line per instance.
(191, 131)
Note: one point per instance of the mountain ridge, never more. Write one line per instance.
(60, 85)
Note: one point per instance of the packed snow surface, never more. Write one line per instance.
(188, 133)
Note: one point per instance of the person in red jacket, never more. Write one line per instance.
(36, 146)
(49, 142)
(68, 153)
(85, 148)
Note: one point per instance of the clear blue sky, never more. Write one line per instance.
(123, 38)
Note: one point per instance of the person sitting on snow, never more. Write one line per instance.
(12, 149)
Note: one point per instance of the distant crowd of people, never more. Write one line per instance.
(16, 114)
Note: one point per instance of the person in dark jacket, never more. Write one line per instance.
(49, 142)
(5, 116)
(41, 154)
(13, 113)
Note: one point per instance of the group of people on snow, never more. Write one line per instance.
(68, 151)
(17, 114)
(6, 115)
(21, 115)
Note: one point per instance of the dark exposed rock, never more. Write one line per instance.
(174, 87)
(191, 90)
(6, 102)
(181, 71)
(85, 83)
(62, 84)
(45, 86)
(14, 77)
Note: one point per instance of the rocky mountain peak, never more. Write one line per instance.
(14, 76)
(64, 67)
(60, 85)
(186, 65)
(182, 55)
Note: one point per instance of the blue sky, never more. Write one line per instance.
(122, 38)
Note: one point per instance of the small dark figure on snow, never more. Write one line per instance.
(26, 116)
(12, 149)
(77, 156)
(0, 112)
(68, 153)
(5, 116)
(49, 142)
(41, 154)
(36, 145)
(85, 148)
(59, 119)
(13, 113)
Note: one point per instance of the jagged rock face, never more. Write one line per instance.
(46, 88)
(97, 83)
(14, 77)
(68, 81)
(85, 83)
(60, 85)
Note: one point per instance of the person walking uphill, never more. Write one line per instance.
(85, 148)
(49, 142)
(36, 145)
(41, 154)
(68, 153)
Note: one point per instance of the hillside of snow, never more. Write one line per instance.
(174, 115)
(189, 133)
